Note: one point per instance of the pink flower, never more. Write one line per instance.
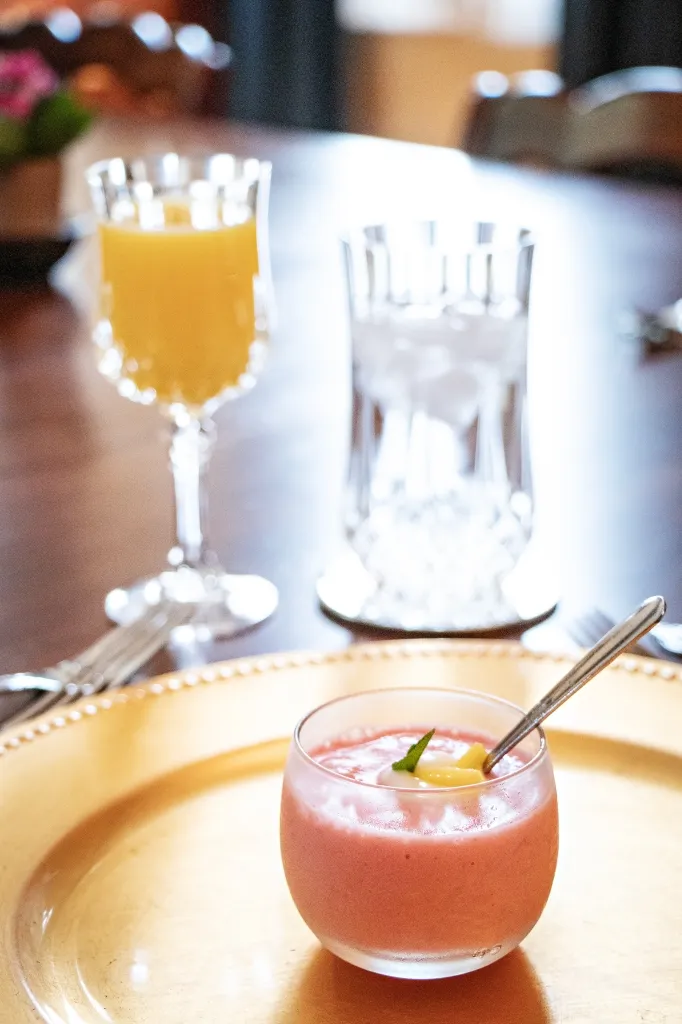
(25, 79)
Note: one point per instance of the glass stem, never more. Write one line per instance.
(190, 453)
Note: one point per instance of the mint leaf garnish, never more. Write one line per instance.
(411, 759)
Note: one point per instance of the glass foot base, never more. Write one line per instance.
(419, 967)
(348, 592)
(226, 604)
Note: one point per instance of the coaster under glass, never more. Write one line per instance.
(347, 591)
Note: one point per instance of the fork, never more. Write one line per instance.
(587, 629)
(64, 672)
(668, 635)
(110, 661)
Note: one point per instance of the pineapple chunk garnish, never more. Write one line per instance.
(474, 757)
(465, 772)
(448, 774)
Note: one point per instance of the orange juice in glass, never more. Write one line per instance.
(183, 323)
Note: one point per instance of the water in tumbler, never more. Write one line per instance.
(439, 508)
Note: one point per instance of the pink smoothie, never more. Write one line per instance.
(426, 872)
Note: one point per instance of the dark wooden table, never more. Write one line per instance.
(85, 493)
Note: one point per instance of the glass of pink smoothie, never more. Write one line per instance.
(406, 878)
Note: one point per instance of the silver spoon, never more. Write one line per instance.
(601, 655)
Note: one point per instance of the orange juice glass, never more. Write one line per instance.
(184, 304)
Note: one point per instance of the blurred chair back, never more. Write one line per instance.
(144, 63)
(518, 119)
(627, 123)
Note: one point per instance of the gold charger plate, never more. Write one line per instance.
(140, 880)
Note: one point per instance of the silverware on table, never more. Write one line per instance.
(57, 676)
(661, 331)
(589, 627)
(664, 638)
(601, 655)
(668, 635)
(107, 663)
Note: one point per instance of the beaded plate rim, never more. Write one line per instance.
(220, 672)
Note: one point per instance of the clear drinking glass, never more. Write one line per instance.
(185, 299)
(439, 508)
(418, 883)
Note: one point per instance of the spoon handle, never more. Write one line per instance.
(601, 655)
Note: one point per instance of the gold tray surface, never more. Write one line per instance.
(140, 880)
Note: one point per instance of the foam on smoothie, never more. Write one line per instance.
(366, 756)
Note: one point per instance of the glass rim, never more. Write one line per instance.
(490, 698)
(99, 167)
(525, 236)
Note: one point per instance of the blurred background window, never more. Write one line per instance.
(504, 20)
(404, 68)
(410, 63)
(399, 68)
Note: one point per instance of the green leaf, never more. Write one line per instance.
(411, 759)
(12, 141)
(56, 121)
